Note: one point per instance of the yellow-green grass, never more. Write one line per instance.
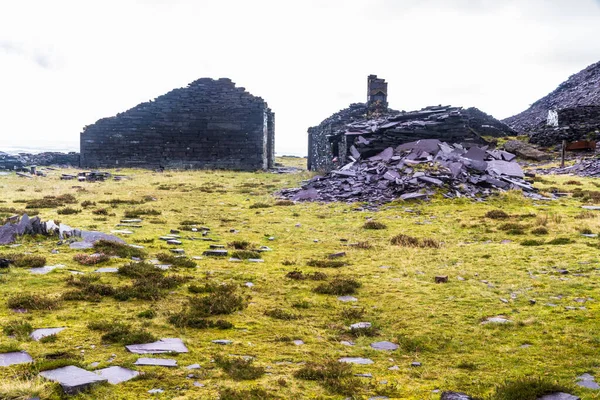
(438, 325)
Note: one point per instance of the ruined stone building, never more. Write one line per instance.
(571, 112)
(208, 124)
(366, 129)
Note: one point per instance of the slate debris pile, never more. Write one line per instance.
(417, 170)
(587, 167)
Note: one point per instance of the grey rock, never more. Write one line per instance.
(298, 342)
(116, 375)
(193, 366)
(157, 362)
(107, 270)
(168, 345)
(559, 396)
(347, 299)
(81, 245)
(155, 391)
(222, 341)
(455, 396)
(73, 379)
(42, 333)
(497, 320)
(216, 253)
(198, 384)
(587, 381)
(356, 360)
(14, 358)
(360, 325)
(384, 346)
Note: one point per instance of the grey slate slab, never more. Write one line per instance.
(116, 375)
(158, 362)
(384, 346)
(14, 358)
(356, 360)
(347, 299)
(216, 253)
(73, 379)
(559, 396)
(42, 333)
(81, 245)
(94, 236)
(106, 270)
(167, 345)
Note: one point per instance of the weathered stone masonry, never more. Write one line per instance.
(208, 124)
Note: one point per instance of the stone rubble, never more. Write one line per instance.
(587, 168)
(417, 170)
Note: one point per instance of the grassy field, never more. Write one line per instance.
(496, 265)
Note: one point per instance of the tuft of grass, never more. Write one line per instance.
(90, 259)
(18, 329)
(240, 244)
(68, 211)
(260, 205)
(560, 241)
(338, 286)
(496, 214)
(301, 276)
(374, 225)
(586, 215)
(138, 212)
(51, 201)
(284, 203)
(244, 394)
(32, 302)
(25, 260)
(409, 241)
(147, 314)
(326, 263)
(24, 388)
(283, 315)
(245, 254)
(527, 388)
(87, 204)
(184, 262)
(352, 314)
(332, 375)
(238, 368)
(541, 230)
(118, 332)
(532, 242)
(118, 249)
(88, 288)
(140, 270)
(100, 211)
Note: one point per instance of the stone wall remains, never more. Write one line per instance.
(210, 124)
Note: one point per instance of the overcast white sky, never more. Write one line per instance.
(66, 64)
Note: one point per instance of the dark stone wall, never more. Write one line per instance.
(209, 124)
(576, 123)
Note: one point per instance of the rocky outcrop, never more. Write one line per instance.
(525, 150)
(208, 124)
(21, 160)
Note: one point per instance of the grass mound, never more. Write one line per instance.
(301, 276)
(32, 302)
(25, 260)
(409, 241)
(496, 214)
(90, 259)
(184, 262)
(527, 388)
(221, 300)
(241, 394)
(326, 263)
(118, 249)
(374, 225)
(238, 368)
(333, 375)
(338, 286)
(118, 332)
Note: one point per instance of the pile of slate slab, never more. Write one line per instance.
(21, 160)
(586, 167)
(417, 170)
(17, 227)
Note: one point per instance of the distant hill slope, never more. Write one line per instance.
(581, 89)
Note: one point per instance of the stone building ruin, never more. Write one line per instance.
(210, 124)
(366, 129)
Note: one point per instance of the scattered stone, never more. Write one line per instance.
(158, 362)
(193, 366)
(168, 345)
(256, 260)
(559, 396)
(174, 242)
(178, 251)
(347, 299)
(44, 270)
(394, 368)
(504, 301)
(107, 270)
(360, 325)
(356, 360)
(415, 364)
(496, 320)
(14, 358)
(73, 379)
(455, 396)
(367, 375)
(155, 391)
(347, 343)
(222, 341)
(116, 375)
(441, 279)
(298, 342)
(216, 253)
(337, 255)
(233, 259)
(198, 384)
(249, 284)
(384, 346)
(42, 333)
(587, 381)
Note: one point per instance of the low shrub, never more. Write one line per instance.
(118, 249)
(245, 254)
(18, 329)
(184, 262)
(374, 225)
(326, 263)
(238, 368)
(496, 214)
(32, 302)
(244, 394)
(338, 286)
(260, 205)
(541, 230)
(25, 260)
(527, 388)
(283, 315)
(409, 241)
(334, 376)
(90, 259)
(240, 244)
(117, 332)
(301, 276)
(68, 211)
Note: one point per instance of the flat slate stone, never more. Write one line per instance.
(455, 396)
(72, 379)
(116, 375)
(94, 236)
(14, 358)
(168, 345)
(216, 253)
(174, 242)
(43, 270)
(356, 360)
(81, 245)
(559, 396)
(384, 346)
(496, 320)
(222, 341)
(347, 299)
(360, 325)
(193, 366)
(157, 362)
(44, 332)
(106, 270)
(587, 381)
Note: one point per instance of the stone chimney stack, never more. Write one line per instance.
(377, 90)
